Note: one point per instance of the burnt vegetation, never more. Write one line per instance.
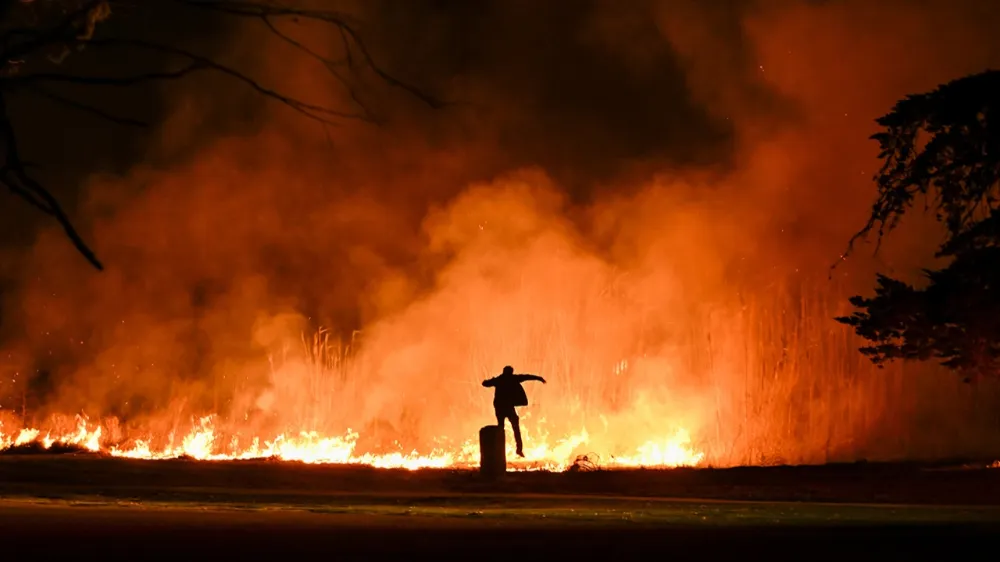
(942, 148)
(37, 36)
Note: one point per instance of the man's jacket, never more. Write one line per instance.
(507, 390)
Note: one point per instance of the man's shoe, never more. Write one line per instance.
(520, 453)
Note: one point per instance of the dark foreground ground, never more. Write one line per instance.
(59, 475)
(54, 508)
(101, 533)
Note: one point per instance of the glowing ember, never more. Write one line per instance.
(203, 443)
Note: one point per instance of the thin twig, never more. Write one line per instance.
(340, 20)
(331, 65)
(195, 63)
(86, 108)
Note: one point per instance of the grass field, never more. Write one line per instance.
(288, 483)
(553, 510)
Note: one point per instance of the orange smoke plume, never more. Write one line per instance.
(654, 239)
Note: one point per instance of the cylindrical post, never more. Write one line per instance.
(492, 451)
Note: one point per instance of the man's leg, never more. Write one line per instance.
(515, 423)
(500, 416)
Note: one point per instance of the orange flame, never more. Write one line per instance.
(203, 443)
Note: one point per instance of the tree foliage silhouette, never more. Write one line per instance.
(943, 146)
(37, 35)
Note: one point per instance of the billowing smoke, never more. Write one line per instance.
(640, 201)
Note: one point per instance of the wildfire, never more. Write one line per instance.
(203, 442)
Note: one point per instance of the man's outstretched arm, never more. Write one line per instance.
(490, 382)
(523, 378)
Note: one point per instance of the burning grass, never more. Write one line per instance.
(769, 381)
(40, 448)
(311, 448)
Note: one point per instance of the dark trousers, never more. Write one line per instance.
(515, 422)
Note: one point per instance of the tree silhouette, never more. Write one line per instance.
(37, 35)
(944, 146)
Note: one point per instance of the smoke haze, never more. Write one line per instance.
(639, 201)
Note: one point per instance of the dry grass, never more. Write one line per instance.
(759, 378)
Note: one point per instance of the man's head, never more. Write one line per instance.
(508, 370)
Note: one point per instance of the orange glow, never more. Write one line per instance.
(202, 443)
(680, 307)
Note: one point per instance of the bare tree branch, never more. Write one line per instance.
(59, 77)
(66, 29)
(74, 29)
(342, 21)
(195, 63)
(331, 65)
(86, 108)
(13, 175)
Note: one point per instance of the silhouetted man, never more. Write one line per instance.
(507, 395)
